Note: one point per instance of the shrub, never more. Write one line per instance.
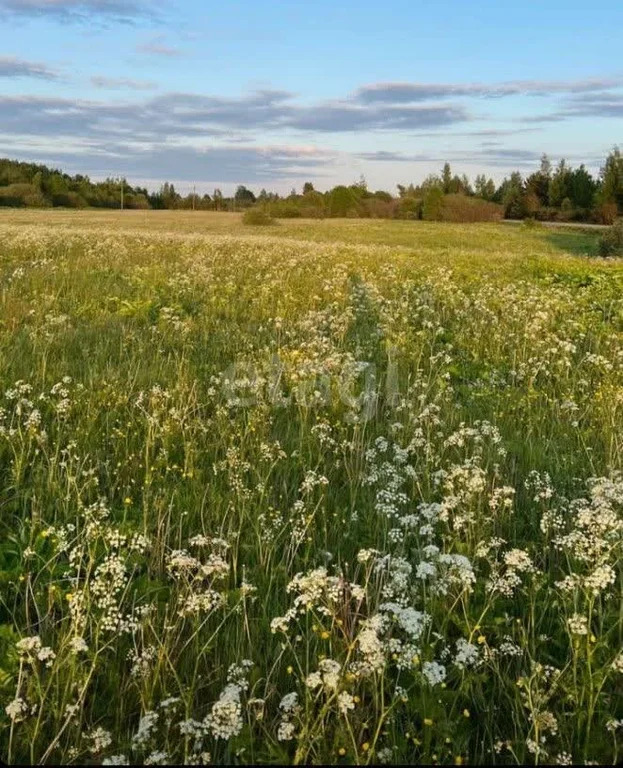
(461, 208)
(432, 205)
(607, 213)
(287, 211)
(409, 208)
(342, 202)
(611, 244)
(257, 217)
(21, 195)
(377, 208)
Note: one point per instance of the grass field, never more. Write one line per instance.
(336, 491)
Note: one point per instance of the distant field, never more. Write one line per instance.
(411, 234)
(339, 491)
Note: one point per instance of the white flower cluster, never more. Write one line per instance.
(31, 649)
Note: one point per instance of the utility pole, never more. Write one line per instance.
(194, 197)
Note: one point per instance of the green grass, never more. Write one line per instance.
(399, 444)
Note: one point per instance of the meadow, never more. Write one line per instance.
(340, 491)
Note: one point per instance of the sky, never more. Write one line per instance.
(273, 94)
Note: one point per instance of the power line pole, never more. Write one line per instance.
(194, 197)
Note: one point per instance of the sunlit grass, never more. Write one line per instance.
(343, 491)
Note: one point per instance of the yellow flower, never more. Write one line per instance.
(341, 751)
(290, 670)
(325, 635)
(365, 746)
(458, 760)
(428, 721)
(466, 713)
(127, 501)
(481, 639)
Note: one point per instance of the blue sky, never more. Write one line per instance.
(271, 94)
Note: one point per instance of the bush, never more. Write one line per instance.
(461, 208)
(432, 205)
(611, 244)
(607, 213)
(21, 196)
(257, 217)
(377, 208)
(409, 208)
(287, 210)
(69, 200)
(342, 202)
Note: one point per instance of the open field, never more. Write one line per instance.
(340, 491)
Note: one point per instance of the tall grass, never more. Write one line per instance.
(271, 500)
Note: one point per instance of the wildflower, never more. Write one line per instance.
(345, 702)
(578, 625)
(467, 655)
(100, 739)
(78, 645)
(146, 727)
(289, 703)
(16, 710)
(225, 719)
(285, 731)
(434, 672)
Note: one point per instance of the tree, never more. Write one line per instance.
(308, 187)
(432, 204)
(446, 178)
(381, 194)
(537, 184)
(361, 186)
(217, 197)
(582, 188)
(465, 187)
(342, 201)
(244, 197)
(612, 180)
(484, 188)
(546, 166)
(168, 197)
(513, 196)
(559, 184)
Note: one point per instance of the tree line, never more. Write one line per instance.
(554, 193)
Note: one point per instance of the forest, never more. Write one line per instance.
(550, 193)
